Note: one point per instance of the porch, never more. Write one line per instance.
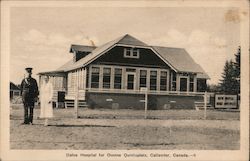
(135, 99)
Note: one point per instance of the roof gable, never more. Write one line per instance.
(130, 40)
(126, 39)
(177, 58)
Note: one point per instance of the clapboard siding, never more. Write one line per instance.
(76, 82)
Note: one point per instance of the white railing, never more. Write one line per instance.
(154, 92)
(82, 93)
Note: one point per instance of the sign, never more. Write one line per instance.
(109, 100)
(225, 101)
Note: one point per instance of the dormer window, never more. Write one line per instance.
(131, 53)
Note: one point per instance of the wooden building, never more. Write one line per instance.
(113, 74)
(14, 91)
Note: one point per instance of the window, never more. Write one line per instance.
(191, 83)
(135, 52)
(130, 81)
(153, 80)
(131, 53)
(163, 81)
(173, 86)
(183, 84)
(106, 77)
(127, 52)
(95, 77)
(118, 78)
(143, 78)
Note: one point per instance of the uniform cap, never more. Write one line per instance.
(29, 69)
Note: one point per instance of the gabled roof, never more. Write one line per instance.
(176, 58)
(179, 58)
(13, 86)
(102, 49)
(130, 40)
(82, 48)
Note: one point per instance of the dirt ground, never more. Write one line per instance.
(126, 129)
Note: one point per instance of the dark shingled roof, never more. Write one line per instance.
(82, 48)
(130, 40)
(177, 58)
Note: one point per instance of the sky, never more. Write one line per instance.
(41, 36)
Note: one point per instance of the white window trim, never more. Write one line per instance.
(126, 80)
(124, 76)
(131, 53)
(179, 82)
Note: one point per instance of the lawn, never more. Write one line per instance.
(126, 129)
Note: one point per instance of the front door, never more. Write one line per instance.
(131, 81)
(183, 84)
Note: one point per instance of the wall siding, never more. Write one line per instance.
(116, 56)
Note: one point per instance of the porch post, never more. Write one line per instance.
(90, 75)
(124, 85)
(100, 77)
(195, 83)
(158, 81)
(177, 82)
(148, 79)
(168, 82)
(112, 75)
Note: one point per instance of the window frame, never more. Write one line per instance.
(191, 83)
(116, 76)
(106, 85)
(99, 77)
(173, 81)
(131, 53)
(150, 80)
(163, 78)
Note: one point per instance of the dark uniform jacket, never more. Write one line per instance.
(29, 90)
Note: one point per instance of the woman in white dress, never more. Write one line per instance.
(46, 94)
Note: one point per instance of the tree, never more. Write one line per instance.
(230, 82)
(213, 88)
(226, 83)
(237, 70)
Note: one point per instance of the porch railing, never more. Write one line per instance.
(153, 92)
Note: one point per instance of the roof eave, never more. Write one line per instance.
(52, 72)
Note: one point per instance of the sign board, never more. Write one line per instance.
(225, 101)
(109, 100)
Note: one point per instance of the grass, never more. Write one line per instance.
(126, 129)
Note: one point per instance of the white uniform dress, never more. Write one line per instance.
(46, 94)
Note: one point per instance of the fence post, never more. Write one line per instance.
(146, 103)
(76, 104)
(205, 105)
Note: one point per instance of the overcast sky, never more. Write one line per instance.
(41, 37)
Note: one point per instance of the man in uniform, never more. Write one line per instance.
(29, 92)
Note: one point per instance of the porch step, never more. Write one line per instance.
(200, 106)
(71, 103)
